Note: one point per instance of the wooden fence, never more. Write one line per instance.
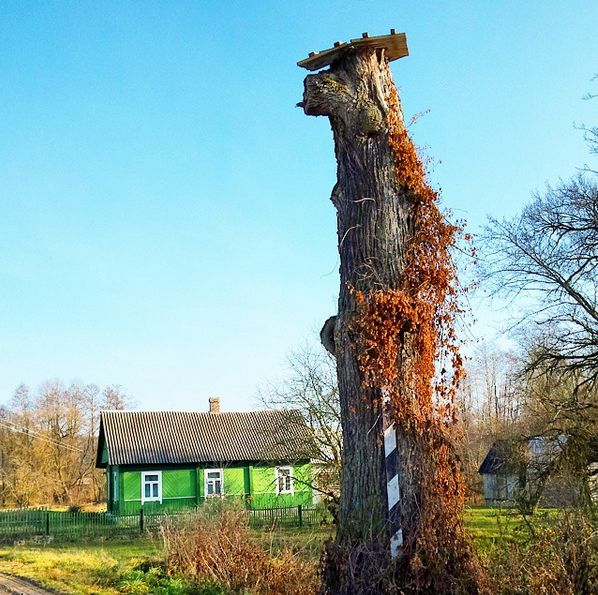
(24, 523)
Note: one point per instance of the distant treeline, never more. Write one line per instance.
(48, 443)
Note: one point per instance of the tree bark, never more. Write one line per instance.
(375, 223)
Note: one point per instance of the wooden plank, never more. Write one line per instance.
(394, 45)
(317, 60)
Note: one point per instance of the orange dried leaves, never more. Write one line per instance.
(405, 332)
(408, 349)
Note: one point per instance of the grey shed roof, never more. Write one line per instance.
(497, 460)
(174, 437)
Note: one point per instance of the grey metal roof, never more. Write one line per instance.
(173, 437)
(497, 460)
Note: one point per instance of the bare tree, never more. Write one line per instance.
(492, 402)
(48, 443)
(591, 132)
(311, 387)
(546, 419)
(23, 478)
(114, 398)
(495, 398)
(545, 261)
(559, 427)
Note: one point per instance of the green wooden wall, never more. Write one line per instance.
(184, 486)
(264, 487)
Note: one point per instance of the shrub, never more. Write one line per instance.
(220, 550)
(562, 559)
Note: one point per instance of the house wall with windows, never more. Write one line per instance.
(273, 487)
(177, 486)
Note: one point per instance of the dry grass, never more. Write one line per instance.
(561, 559)
(222, 550)
(221, 556)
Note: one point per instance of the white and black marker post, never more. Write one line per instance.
(392, 484)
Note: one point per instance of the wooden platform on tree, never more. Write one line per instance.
(394, 46)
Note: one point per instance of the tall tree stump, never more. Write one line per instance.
(376, 219)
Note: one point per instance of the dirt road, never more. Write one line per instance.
(12, 585)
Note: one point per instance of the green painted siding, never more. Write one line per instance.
(109, 496)
(264, 487)
(263, 480)
(234, 481)
(250, 481)
(246, 481)
(200, 485)
(131, 485)
(179, 488)
(178, 483)
(185, 486)
(302, 474)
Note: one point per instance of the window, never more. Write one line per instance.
(213, 484)
(284, 480)
(151, 486)
(115, 486)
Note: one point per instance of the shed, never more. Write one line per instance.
(500, 474)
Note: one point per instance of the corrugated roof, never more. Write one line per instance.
(171, 437)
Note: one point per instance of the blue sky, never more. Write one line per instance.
(165, 221)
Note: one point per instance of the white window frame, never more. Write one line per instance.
(206, 481)
(115, 486)
(277, 477)
(151, 498)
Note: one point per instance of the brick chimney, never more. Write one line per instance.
(214, 405)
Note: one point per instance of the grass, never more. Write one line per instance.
(133, 566)
(96, 568)
(491, 526)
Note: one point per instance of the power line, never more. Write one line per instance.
(13, 427)
(39, 436)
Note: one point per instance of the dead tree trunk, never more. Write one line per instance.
(376, 223)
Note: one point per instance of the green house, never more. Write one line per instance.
(174, 459)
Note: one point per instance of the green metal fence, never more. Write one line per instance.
(24, 523)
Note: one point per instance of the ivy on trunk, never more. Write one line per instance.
(393, 329)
